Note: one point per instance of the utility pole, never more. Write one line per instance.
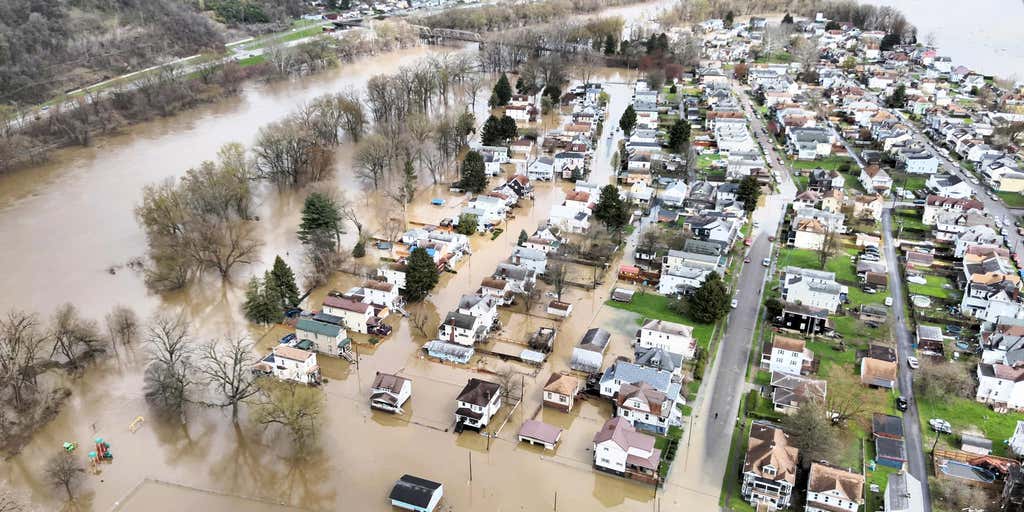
(470, 466)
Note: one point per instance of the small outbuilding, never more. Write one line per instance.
(415, 493)
(540, 433)
(975, 444)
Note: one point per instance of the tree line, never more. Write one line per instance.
(505, 16)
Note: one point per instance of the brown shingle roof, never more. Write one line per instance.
(562, 384)
(645, 393)
(790, 344)
(872, 371)
(824, 478)
(770, 446)
(392, 383)
(346, 304)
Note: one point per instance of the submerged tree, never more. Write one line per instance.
(64, 471)
(227, 366)
(295, 407)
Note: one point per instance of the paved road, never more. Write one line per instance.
(911, 420)
(708, 444)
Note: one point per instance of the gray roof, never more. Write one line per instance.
(902, 491)
(658, 359)
(595, 340)
(460, 320)
(929, 332)
(631, 372)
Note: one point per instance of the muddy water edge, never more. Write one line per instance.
(67, 222)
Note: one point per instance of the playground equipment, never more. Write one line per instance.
(103, 450)
(69, 446)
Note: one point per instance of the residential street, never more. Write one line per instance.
(709, 436)
(911, 421)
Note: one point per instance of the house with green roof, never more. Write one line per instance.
(326, 338)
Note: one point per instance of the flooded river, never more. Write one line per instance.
(67, 223)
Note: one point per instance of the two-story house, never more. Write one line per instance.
(560, 391)
(936, 205)
(621, 450)
(787, 355)
(388, 392)
(624, 372)
(476, 404)
(812, 288)
(532, 259)
(832, 489)
(874, 179)
(462, 329)
(948, 185)
(769, 467)
(670, 336)
(326, 337)
(356, 316)
(291, 363)
(647, 408)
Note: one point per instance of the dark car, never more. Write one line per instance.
(288, 338)
(920, 201)
(902, 403)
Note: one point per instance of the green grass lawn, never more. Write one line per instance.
(964, 414)
(843, 265)
(804, 258)
(854, 329)
(832, 162)
(859, 297)
(802, 181)
(880, 477)
(827, 352)
(933, 288)
(911, 218)
(656, 306)
(1012, 199)
(782, 57)
(704, 161)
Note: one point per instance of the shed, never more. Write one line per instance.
(559, 308)
(623, 295)
(890, 452)
(975, 444)
(540, 433)
(415, 493)
(886, 425)
(449, 351)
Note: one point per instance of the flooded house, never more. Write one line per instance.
(540, 433)
(559, 308)
(476, 404)
(499, 289)
(325, 337)
(462, 329)
(560, 391)
(355, 315)
(588, 354)
(483, 307)
(621, 373)
(417, 494)
(619, 449)
(290, 363)
(389, 392)
(532, 259)
(647, 408)
(394, 273)
(520, 279)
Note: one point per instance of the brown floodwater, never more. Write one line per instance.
(66, 223)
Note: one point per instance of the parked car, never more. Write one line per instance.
(902, 403)
(735, 303)
(913, 363)
(746, 260)
(766, 262)
(868, 256)
(288, 338)
(940, 425)
(888, 301)
(920, 201)
(869, 289)
(748, 241)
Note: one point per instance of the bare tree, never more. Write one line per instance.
(9, 502)
(292, 406)
(419, 321)
(168, 376)
(828, 247)
(373, 159)
(227, 366)
(556, 273)
(123, 326)
(511, 383)
(64, 471)
(221, 246)
(845, 399)
(21, 342)
(73, 337)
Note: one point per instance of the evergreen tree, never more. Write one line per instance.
(611, 209)
(610, 45)
(282, 281)
(673, 89)
(898, 98)
(493, 102)
(553, 92)
(491, 134)
(652, 44)
(262, 305)
(624, 46)
(749, 192)
(787, 19)
(628, 120)
(523, 237)
(679, 136)
(520, 86)
(321, 221)
(730, 17)
(711, 301)
(888, 42)
(503, 91)
(474, 178)
(468, 224)
(420, 275)
(662, 44)
(509, 130)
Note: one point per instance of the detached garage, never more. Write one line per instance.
(540, 433)
(415, 493)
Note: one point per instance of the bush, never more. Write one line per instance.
(935, 381)
(753, 401)
(359, 250)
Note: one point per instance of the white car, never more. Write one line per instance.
(735, 303)
(940, 425)
(766, 262)
(913, 363)
(888, 301)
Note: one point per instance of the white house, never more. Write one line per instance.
(903, 493)
(830, 489)
(935, 204)
(568, 161)
(812, 288)
(290, 363)
(588, 354)
(389, 392)
(949, 186)
(808, 233)
(532, 259)
(483, 307)
(416, 494)
(356, 316)
(769, 467)
(973, 236)
(571, 219)
(476, 404)
(647, 408)
(919, 161)
(462, 329)
(1000, 386)
(670, 336)
(786, 355)
(675, 195)
(620, 449)
(874, 179)
(542, 169)
(327, 338)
